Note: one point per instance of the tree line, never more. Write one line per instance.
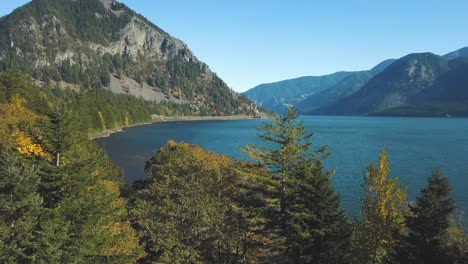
(63, 201)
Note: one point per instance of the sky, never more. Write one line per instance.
(249, 42)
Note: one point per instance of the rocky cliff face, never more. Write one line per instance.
(97, 43)
(138, 38)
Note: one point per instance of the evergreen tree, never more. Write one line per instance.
(428, 224)
(382, 213)
(73, 213)
(52, 235)
(461, 223)
(19, 209)
(57, 133)
(56, 141)
(92, 206)
(304, 213)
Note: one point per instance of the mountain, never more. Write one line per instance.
(421, 84)
(274, 96)
(345, 87)
(461, 53)
(311, 92)
(86, 45)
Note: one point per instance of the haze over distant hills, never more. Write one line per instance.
(422, 84)
(274, 96)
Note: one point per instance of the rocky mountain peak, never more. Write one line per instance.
(95, 43)
(108, 3)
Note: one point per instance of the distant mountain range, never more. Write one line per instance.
(274, 96)
(422, 84)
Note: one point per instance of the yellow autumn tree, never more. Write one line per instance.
(101, 120)
(382, 214)
(26, 146)
(17, 101)
(126, 121)
(15, 116)
(19, 128)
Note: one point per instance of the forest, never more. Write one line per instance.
(62, 200)
(75, 27)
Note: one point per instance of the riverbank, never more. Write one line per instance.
(160, 118)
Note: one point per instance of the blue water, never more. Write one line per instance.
(415, 146)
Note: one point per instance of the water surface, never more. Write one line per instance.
(415, 146)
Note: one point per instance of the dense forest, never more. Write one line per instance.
(84, 44)
(63, 201)
(94, 110)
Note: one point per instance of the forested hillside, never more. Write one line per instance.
(63, 201)
(69, 68)
(92, 45)
(418, 84)
(276, 96)
(422, 84)
(92, 110)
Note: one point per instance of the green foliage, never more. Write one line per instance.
(61, 200)
(15, 83)
(87, 26)
(44, 30)
(188, 209)
(20, 208)
(382, 213)
(66, 210)
(429, 225)
(303, 212)
(91, 111)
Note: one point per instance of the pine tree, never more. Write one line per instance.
(57, 133)
(19, 209)
(382, 214)
(428, 224)
(318, 231)
(57, 139)
(304, 213)
(52, 234)
(94, 210)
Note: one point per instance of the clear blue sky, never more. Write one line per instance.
(248, 42)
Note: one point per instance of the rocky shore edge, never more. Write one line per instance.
(160, 118)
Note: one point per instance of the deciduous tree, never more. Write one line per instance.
(382, 222)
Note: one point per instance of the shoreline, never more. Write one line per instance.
(163, 119)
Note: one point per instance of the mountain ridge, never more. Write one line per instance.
(292, 91)
(419, 84)
(345, 87)
(89, 44)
